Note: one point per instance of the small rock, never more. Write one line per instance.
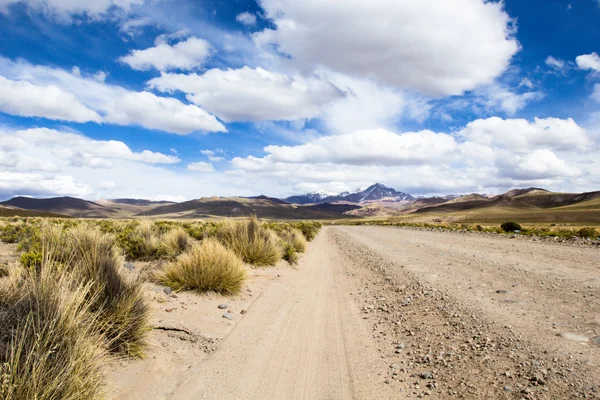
(400, 346)
(426, 375)
(507, 389)
(501, 291)
(129, 266)
(596, 340)
(223, 306)
(573, 337)
(229, 316)
(244, 311)
(167, 290)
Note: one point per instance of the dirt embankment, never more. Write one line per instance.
(382, 313)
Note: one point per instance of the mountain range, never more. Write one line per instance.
(375, 201)
(374, 192)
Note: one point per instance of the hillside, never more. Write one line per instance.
(8, 211)
(239, 207)
(70, 206)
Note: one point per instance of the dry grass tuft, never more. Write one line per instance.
(49, 348)
(174, 242)
(4, 271)
(118, 302)
(254, 243)
(207, 266)
(295, 238)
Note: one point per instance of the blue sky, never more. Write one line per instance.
(182, 99)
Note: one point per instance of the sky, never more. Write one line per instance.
(180, 99)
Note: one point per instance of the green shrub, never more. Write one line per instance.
(289, 253)
(510, 227)
(588, 233)
(309, 229)
(252, 242)
(206, 266)
(139, 242)
(49, 348)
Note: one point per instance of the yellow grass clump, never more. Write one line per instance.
(174, 242)
(207, 266)
(118, 301)
(254, 243)
(49, 348)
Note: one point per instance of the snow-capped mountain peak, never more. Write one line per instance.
(374, 192)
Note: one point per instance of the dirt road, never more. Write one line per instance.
(382, 313)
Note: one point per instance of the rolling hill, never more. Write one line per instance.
(262, 207)
(70, 206)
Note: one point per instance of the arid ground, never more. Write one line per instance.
(382, 313)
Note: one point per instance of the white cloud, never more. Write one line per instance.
(167, 114)
(52, 148)
(113, 103)
(201, 166)
(246, 18)
(540, 164)
(555, 63)
(18, 183)
(63, 9)
(212, 155)
(526, 82)
(424, 45)
(368, 147)
(484, 155)
(589, 61)
(248, 94)
(520, 135)
(186, 55)
(499, 97)
(28, 100)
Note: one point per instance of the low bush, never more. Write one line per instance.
(309, 229)
(48, 345)
(587, 232)
(206, 266)
(139, 242)
(4, 272)
(117, 301)
(510, 227)
(252, 242)
(174, 242)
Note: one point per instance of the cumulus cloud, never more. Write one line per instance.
(111, 103)
(200, 166)
(520, 135)
(589, 61)
(53, 147)
(33, 184)
(246, 18)
(499, 97)
(249, 94)
(485, 154)
(167, 114)
(28, 100)
(415, 44)
(372, 147)
(185, 55)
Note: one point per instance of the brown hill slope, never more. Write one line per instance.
(70, 206)
(6, 211)
(240, 207)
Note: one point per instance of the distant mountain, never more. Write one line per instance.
(374, 192)
(141, 202)
(522, 199)
(262, 207)
(263, 197)
(70, 206)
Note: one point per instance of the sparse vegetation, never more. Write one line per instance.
(4, 271)
(49, 348)
(174, 242)
(510, 227)
(139, 242)
(118, 302)
(588, 232)
(254, 243)
(207, 266)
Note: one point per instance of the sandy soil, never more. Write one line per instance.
(381, 313)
